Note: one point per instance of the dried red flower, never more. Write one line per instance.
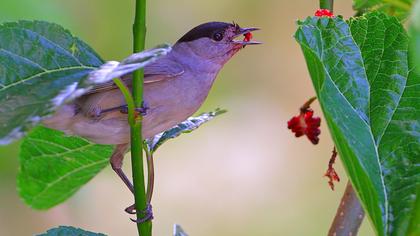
(305, 123)
(324, 13)
(248, 37)
(331, 173)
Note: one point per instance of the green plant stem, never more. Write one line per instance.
(140, 198)
(128, 98)
(326, 4)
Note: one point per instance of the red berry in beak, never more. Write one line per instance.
(305, 123)
(248, 37)
(324, 13)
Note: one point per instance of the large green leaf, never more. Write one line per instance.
(69, 231)
(398, 8)
(38, 62)
(372, 107)
(54, 166)
(43, 66)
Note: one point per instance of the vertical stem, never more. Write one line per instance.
(139, 36)
(326, 4)
(349, 215)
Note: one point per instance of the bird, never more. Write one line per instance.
(175, 86)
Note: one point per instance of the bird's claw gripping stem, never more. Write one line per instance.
(148, 213)
(140, 110)
(123, 109)
(131, 209)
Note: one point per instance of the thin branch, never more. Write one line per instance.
(139, 36)
(150, 175)
(349, 215)
(307, 104)
(326, 4)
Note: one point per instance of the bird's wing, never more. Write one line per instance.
(163, 69)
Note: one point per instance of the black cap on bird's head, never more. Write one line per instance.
(217, 40)
(204, 30)
(218, 31)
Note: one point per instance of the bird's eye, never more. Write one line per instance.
(218, 36)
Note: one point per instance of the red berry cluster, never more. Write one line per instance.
(305, 123)
(331, 173)
(324, 13)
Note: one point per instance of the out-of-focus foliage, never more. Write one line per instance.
(370, 99)
(415, 35)
(414, 30)
(414, 227)
(398, 8)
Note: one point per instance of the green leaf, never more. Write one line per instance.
(38, 62)
(187, 126)
(54, 166)
(43, 66)
(69, 231)
(384, 46)
(398, 8)
(178, 231)
(372, 107)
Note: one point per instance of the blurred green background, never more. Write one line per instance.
(243, 173)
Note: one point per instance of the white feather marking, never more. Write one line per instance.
(69, 93)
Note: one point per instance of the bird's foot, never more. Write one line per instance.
(140, 110)
(131, 209)
(147, 213)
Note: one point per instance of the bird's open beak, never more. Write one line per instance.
(246, 32)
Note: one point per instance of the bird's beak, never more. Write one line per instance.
(246, 32)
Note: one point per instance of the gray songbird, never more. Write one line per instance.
(175, 86)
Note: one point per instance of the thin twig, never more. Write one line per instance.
(326, 4)
(150, 176)
(331, 173)
(307, 104)
(349, 215)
